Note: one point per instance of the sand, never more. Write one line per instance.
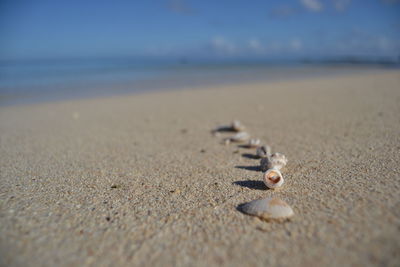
(140, 180)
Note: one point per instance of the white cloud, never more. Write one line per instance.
(222, 45)
(255, 45)
(387, 45)
(312, 5)
(360, 43)
(180, 7)
(340, 5)
(283, 11)
(384, 43)
(296, 45)
(391, 2)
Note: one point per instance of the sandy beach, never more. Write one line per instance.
(139, 180)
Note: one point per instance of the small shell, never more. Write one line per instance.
(264, 163)
(237, 126)
(273, 178)
(216, 133)
(268, 208)
(254, 143)
(226, 141)
(240, 137)
(276, 161)
(263, 151)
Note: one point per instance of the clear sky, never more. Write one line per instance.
(186, 28)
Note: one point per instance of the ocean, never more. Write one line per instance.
(35, 81)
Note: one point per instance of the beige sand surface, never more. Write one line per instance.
(139, 179)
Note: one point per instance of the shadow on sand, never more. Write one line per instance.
(252, 184)
(224, 129)
(255, 168)
(250, 156)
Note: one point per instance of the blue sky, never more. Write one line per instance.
(199, 29)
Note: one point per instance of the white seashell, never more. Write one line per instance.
(273, 178)
(216, 133)
(263, 151)
(227, 141)
(237, 126)
(254, 143)
(268, 208)
(240, 137)
(276, 161)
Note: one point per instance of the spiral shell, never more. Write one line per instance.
(273, 178)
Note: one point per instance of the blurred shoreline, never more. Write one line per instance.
(37, 81)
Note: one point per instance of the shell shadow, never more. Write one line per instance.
(252, 184)
(240, 208)
(250, 156)
(256, 168)
(245, 146)
(224, 129)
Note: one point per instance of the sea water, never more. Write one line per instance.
(48, 80)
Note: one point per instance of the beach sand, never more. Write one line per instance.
(140, 179)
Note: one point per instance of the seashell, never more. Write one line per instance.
(276, 161)
(268, 208)
(237, 126)
(264, 162)
(215, 133)
(263, 151)
(273, 178)
(226, 141)
(253, 143)
(240, 137)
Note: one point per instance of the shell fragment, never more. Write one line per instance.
(254, 142)
(240, 137)
(263, 151)
(237, 126)
(268, 208)
(276, 161)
